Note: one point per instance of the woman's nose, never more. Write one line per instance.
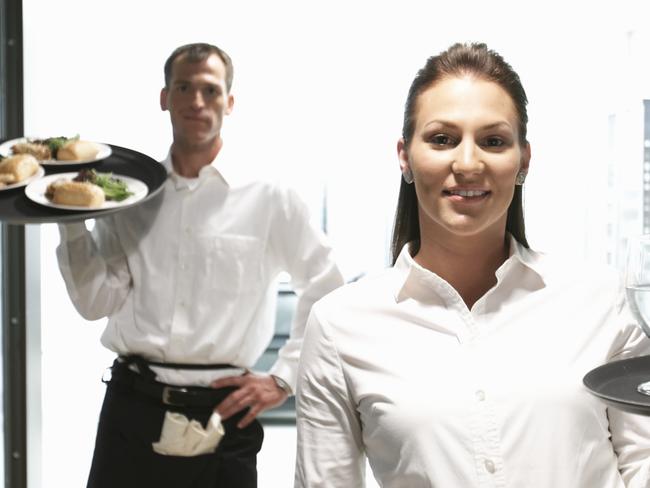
(466, 159)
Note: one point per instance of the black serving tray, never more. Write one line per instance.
(16, 208)
(616, 384)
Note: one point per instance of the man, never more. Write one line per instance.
(187, 281)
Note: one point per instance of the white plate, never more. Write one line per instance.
(26, 181)
(35, 191)
(104, 152)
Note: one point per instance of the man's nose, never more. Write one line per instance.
(197, 99)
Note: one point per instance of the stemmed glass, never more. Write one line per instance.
(637, 287)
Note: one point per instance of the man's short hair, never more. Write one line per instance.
(196, 53)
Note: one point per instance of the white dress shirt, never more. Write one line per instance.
(396, 367)
(190, 276)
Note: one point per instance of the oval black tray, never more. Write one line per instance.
(616, 384)
(16, 208)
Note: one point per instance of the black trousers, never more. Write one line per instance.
(130, 422)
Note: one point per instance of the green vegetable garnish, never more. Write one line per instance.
(55, 143)
(114, 188)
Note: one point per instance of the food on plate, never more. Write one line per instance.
(18, 168)
(58, 148)
(78, 150)
(87, 189)
(77, 193)
(36, 149)
(43, 149)
(114, 188)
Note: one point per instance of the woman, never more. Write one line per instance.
(462, 364)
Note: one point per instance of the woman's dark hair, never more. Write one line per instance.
(459, 60)
(196, 53)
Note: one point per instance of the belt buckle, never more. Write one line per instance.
(167, 393)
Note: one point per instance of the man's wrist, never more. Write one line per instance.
(282, 384)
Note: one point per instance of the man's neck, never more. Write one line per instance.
(188, 161)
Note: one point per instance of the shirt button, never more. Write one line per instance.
(480, 395)
(489, 466)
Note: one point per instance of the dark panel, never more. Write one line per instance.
(13, 255)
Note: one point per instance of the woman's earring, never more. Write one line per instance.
(521, 177)
(407, 174)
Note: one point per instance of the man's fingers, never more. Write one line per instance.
(233, 403)
(256, 392)
(249, 417)
(229, 381)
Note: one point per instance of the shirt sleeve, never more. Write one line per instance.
(305, 254)
(330, 448)
(630, 433)
(94, 268)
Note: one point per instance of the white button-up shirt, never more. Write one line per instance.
(436, 395)
(190, 276)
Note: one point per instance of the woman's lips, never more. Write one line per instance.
(466, 195)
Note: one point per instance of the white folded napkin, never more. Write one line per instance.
(182, 437)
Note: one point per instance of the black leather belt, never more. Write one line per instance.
(178, 396)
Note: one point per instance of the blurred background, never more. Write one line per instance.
(319, 92)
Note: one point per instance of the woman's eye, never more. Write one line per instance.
(441, 140)
(494, 142)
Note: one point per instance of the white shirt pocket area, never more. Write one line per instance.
(231, 263)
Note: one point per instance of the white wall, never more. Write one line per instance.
(319, 90)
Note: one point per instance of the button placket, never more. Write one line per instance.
(180, 318)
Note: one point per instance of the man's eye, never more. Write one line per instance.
(211, 91)
(181, 88)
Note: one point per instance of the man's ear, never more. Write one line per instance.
(163, 98)
(230, 103)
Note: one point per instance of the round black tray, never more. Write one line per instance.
(16, 208)
(616, 384)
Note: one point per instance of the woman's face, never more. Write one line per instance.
(464, 156)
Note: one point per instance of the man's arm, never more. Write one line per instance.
(308, 258)
(94, 268)
(302, 251)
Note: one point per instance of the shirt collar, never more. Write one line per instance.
(207, 171)
(409, 272)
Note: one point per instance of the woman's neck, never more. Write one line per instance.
(468, 264)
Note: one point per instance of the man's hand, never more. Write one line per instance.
(256, 391)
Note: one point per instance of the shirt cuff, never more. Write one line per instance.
(286, 372)
(72, 231)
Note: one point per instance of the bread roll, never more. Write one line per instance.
(21, 166)
(77, 193)
(39, 150)
(78, 151)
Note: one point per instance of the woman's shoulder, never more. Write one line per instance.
(562, 268)
(366, 293)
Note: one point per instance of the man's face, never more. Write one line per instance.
(197, 100)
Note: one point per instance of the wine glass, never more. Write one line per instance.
(637, 287)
